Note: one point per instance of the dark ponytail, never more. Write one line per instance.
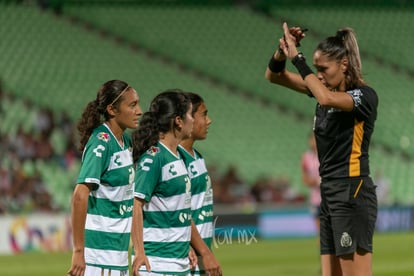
(95, 112)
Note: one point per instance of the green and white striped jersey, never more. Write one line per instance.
(108, 222)
(201, 194)
(201, 199)
(162, 181)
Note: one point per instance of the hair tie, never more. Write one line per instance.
(341, 34)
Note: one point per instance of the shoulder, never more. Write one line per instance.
(363, 91)
(150, 159)
(99, 136)
(364, 94)
(153, 153)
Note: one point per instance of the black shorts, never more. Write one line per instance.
(348, 215)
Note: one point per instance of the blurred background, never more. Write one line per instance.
(54, 56)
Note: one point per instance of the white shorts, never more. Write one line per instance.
(99, 271)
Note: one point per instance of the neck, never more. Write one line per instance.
(170, 141)
(116, 130)
(188, 145)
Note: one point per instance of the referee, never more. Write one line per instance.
(345, 115)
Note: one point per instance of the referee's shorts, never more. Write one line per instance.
(348, 215)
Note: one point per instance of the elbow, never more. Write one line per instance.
(273, 77)
(324, 100)
(268, 74)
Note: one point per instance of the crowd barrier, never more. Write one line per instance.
(52, 232)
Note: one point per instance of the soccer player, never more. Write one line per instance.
(161, 225)
(103, 198)
(346, 111)
(201, 191)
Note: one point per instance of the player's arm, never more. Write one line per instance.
(79, 207)
(285, 78)
(211, 264)
(137, 237)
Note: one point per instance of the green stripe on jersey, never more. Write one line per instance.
(178, 218)
(167, 250)
(121, 209)
(107, 240)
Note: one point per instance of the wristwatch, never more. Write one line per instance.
(299, 56)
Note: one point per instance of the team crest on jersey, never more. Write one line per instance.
(153, 151)
(103, 136)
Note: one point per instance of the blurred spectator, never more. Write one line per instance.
(232, 188)
(383, 188)
(22, 187)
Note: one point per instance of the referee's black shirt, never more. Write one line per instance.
(343, 137)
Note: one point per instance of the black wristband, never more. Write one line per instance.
(276, 66)
(300, 63)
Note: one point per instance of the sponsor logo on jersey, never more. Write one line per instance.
(125, 209)
(346, 240)
(98, 150)
(103, 136)
(183, 217)
(153, 151)
(143, 163)
(203, 214)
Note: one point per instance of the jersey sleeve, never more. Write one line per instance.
(147, 176)
(365, 102)
(94, 161)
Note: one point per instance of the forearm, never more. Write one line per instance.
(277, 73)
(197, 241)
(137, 230)
(79, 209)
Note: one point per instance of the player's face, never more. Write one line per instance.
(129, 110)
(187, 124)
(329, 71)
(201, 123)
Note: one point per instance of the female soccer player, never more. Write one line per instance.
(201, 191)
(346, 111)
(161, 225)
(103, 198)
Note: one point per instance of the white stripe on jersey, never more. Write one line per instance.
(120, 159)
(205, 230)
(199, 200)
(169, 235)
(105, 224)
(173, 170)
(166, 204)
(197, 168)
(117, 193)
(175, 265)
(92, 180)
(107, 257)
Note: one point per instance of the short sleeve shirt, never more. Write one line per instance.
(343, 138)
